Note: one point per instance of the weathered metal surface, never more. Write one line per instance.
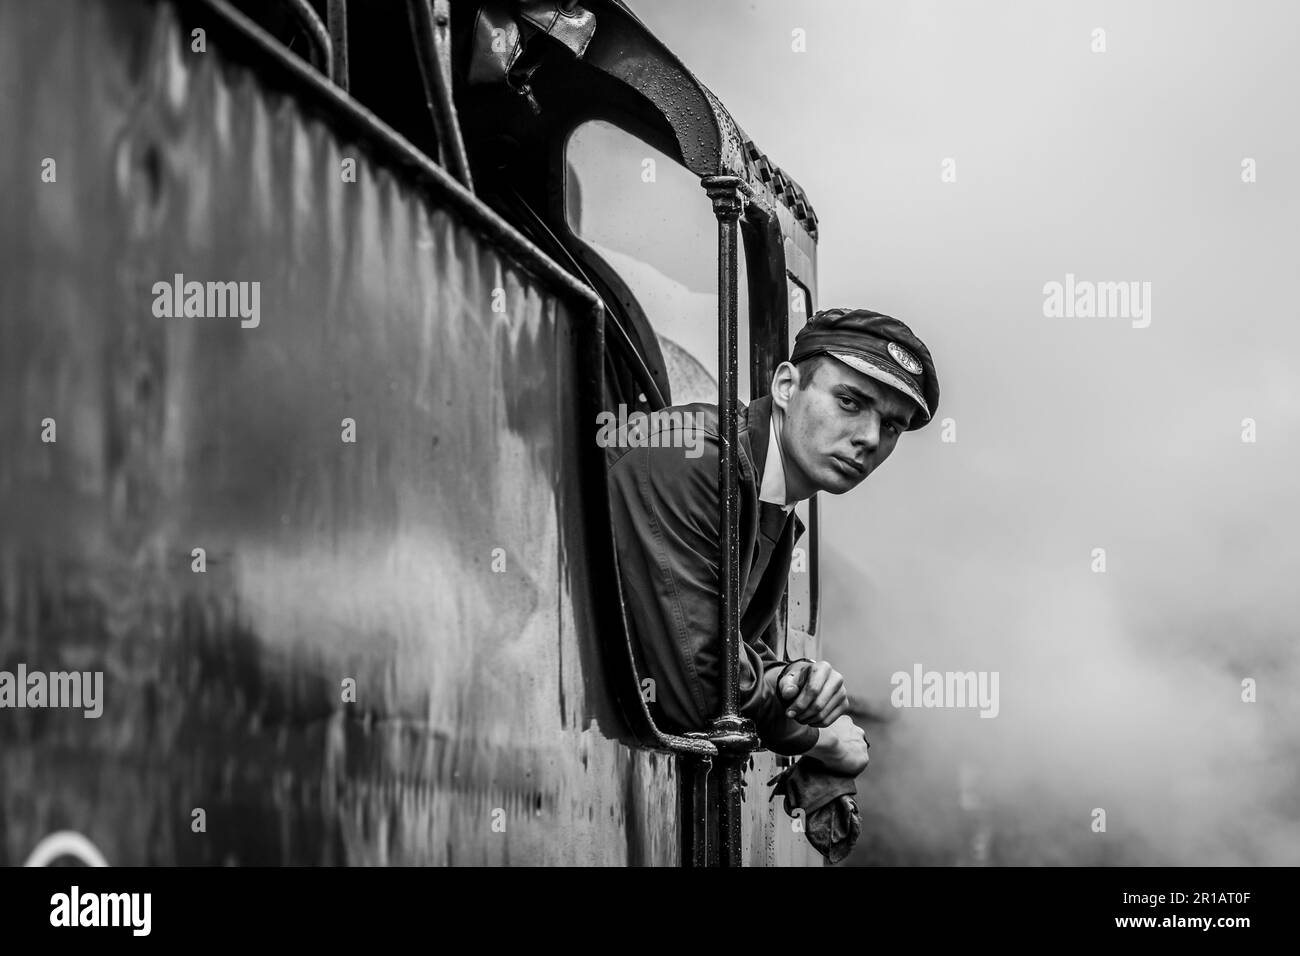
(373, 560)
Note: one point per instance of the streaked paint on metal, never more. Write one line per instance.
(477, 690)
(326, 560)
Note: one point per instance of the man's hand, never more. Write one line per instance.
(842, 747)
(813, 694)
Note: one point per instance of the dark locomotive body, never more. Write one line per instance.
(399, 647)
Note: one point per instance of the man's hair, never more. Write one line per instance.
(808, 368)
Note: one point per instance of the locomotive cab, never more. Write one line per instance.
(584, 132)
(593, 139)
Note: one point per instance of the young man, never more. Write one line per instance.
(855, 382)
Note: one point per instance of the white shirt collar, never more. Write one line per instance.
(773, 487)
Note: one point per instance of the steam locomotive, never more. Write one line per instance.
(345, 571)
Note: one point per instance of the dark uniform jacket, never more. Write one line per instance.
(665, 507)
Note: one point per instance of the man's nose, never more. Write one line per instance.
(868, 436)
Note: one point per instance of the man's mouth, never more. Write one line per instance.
(849, 465)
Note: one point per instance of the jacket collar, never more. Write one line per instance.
(754, 428)
(757, 425)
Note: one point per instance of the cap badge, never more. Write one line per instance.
(904, 358)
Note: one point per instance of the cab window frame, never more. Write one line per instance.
(762, 248)
(628, 309)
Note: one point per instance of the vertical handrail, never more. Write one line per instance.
(431, 24)
(732, 734)
(337, 15)
(724, 191)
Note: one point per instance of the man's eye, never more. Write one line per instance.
(848, 403)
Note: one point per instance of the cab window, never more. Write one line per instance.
(649, 219)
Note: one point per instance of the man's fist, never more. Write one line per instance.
(842, 747)
(813, 694)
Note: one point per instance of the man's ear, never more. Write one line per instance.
(784, 382)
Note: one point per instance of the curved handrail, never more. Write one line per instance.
(316, 33)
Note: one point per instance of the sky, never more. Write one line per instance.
(963, 156)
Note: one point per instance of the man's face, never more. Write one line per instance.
(839, 427)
